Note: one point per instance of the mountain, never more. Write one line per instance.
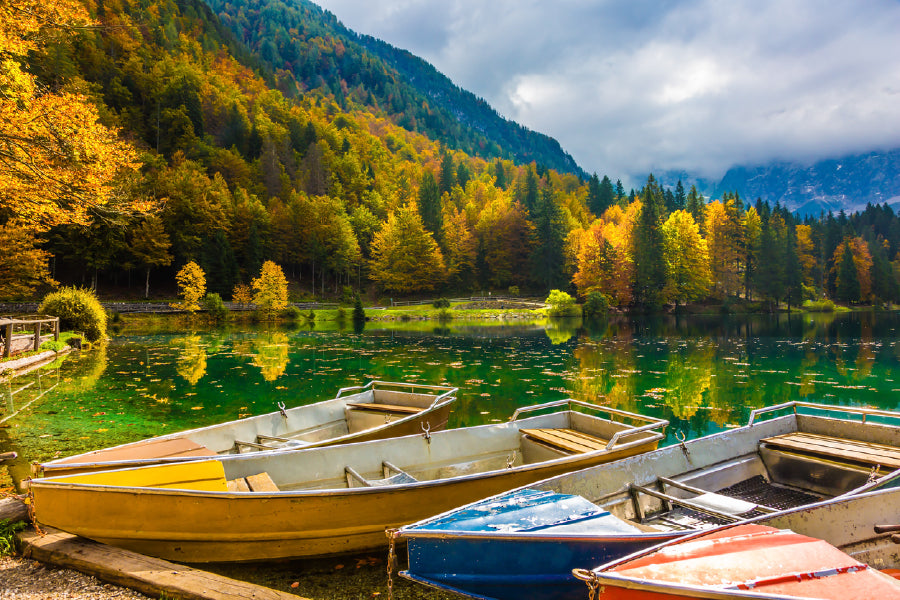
(310, 51)
(848, 183)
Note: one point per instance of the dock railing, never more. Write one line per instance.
(9, 326)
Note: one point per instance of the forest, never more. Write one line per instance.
(139, 135)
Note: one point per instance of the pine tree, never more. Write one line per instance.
(548, 256)
(680, 198)
(593, 196)
(447, 178)
(649, 249)
(430, 204)
(696, 205)
(847, 278)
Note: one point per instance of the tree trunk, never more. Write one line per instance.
(147, 285)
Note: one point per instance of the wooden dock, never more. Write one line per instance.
(150, 576)
(33, 324)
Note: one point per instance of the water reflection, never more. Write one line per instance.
(703, 373)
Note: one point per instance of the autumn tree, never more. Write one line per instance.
(58, 164)
(405, 257)
(687, 260)
(23, 266)
(242, 294)
(150, 247)
(270, 289)
(191, 287)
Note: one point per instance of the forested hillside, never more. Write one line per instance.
(212, 163)
(310, 51)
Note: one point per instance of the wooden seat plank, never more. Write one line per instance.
(395, 408)
(238, 485)
(567, 439)
(170, 448)
(854, 450)
(261, 482)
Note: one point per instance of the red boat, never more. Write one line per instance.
(746, 561)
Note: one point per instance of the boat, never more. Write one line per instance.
(832, 550)
(376, 410)
(525, 542)
(334, 499)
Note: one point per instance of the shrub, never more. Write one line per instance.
(214, 307)
(513, 290)
(78, 310)
(311, 317)
(441, 303)
(818, 306)
(562, 304)
(359, 313)
(596, 305)
(291, 313)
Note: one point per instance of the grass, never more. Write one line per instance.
(53, 345)
(8, 535)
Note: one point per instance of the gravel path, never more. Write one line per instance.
(25, 579)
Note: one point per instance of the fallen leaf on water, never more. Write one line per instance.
(336, 567)
(196, 408)
(296, 584)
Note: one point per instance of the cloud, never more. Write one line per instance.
(629, 86)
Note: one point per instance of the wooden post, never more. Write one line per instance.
(37, 336)
(7, 340)
(56, 329)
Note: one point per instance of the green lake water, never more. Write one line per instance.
(703, 373)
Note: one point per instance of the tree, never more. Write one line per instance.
(447, 177)
(687, 260)
(405, 257)
(696, 205)
(270, 289)
(191, 287)
(58, 164)
(550, 235)
(23, 266)
(430, 204)
(242, 294)
(847, 277)
(150, 247)
(649, 260)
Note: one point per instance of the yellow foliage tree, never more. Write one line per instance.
(687, 260)
(57, 163)
(862, 258)
(242, 294)
(270, 289)
(191, 287)
(405, 257)
(23, 267)
(806, 253)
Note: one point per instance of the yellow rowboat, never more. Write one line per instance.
(374, 411)
(330, 500)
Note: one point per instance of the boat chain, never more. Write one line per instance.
(392, 557)
(589, 578)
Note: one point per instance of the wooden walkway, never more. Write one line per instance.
(33, 324)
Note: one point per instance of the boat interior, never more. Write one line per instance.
(787, 471)
(460, 452)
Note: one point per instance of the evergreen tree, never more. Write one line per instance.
(593, 196)
(649, 249)
(531, 190)
(548, 257)
(696, 205)
(620, 191)
(217, 260)
(680, 198)
(430, 204)
(847, 277)
(793, 272)
(607, 195)
(447, 177)
(500, 175)
(463, 175)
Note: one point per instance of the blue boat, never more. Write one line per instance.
(520, 545)
(525, 543)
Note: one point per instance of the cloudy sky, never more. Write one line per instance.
(630, 86)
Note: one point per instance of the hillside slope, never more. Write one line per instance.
(309, 50)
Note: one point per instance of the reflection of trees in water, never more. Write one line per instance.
(607, 374)
(561, 331)
(91, 366)
(688, 377)
(270, 354)
(191, 363)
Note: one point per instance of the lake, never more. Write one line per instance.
(703, 373)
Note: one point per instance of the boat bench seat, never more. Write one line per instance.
(167, 448)
(567, 440)
(824, 446)
(261, 482)
(390, 408)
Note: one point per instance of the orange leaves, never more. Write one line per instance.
(57, 163)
